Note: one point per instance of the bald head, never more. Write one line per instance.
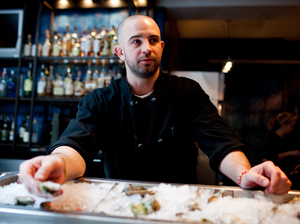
(131, 20)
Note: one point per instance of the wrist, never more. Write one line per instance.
(64, 162)
(241, 176)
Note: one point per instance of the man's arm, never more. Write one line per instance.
(63, 164)
(265, 175)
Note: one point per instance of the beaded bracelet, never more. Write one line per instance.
(240, 176)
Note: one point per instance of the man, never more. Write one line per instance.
(147, 123)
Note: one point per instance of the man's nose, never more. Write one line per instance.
(146, 48)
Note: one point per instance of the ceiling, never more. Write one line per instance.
(234, 18)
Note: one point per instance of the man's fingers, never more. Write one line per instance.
(253, 180)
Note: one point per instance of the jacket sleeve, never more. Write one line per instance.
(85, 133)
(213, 135)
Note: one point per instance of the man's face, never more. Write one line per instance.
(142, 47)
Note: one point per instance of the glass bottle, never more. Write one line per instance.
(11, 85)
(75, 43)
(26, 130)
(3, 84)
(12, 128)
(49, 82)
(56, 48)
(82, 44)
(22, 128)
(88, 44)
(5, 131)
(97, 44)
(46, 47)
(88, 85)
(68, 83)
(27, 46)
(41, 85)
(78, 85)
(66, 40)
(34, 134)
(58, 89)
(28, 83)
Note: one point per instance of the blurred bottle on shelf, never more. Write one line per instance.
(88, 44)
(27, 47)
(66, 40)
(11, 85)
(34, 134)
(46, 47)
(78, 85)
(49, 82)
(27, 89)
(5, 129)
(22, 128)
(68, 83)
(97, 44)
(56, 47)
(75, 43)
(3, 83)
(41, 85)
(26, 130)
(12, 128)
(58, 88)
(21, 90)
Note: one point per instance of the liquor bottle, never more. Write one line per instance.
(22, 128)
(113, 43)
(88, 85)
(26, 130)
(88, 44)
(28, 83)
(68, 83)
(12, 128)
(41, 85)
(66, 40)
(21, 90)
(34, 134)
(82, 44)
(3, 84)
(78, 85)
(58, 89)
(27, 46)
(56, 48)
(97, 44)
(106, 46)
(5, 131)
(46, 47)
(75, 43)
(101, 78)
(49, 82)
(11, 85)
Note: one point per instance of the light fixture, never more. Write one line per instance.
(228, 63)
(227, 66)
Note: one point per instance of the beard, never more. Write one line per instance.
(142, 70)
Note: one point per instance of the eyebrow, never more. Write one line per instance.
(138, 36)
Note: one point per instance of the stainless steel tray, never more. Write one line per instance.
(17, 214)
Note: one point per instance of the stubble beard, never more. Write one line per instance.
(141, 70)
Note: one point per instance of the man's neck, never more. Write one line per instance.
(140, 86)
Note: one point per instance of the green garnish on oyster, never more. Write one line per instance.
(49, 187)
(24, 200)
(146, 206)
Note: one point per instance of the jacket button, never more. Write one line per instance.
(160, 140)
(140, 146)
(153, 99)
(131, 103)
(136, 102)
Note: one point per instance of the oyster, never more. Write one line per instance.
(24, 200)
(49, 187)
(147, 206)
(130, 190)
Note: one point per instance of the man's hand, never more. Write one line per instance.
(266, 175)
(41, 168)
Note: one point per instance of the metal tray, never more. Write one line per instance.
(17, 214)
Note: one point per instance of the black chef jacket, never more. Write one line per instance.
(150, 139)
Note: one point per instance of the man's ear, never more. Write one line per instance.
(119, 52)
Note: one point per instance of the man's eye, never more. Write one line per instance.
(136, 41)
(154, 40)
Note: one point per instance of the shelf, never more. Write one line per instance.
(7, 99)
(58, 99)
(81, 60)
